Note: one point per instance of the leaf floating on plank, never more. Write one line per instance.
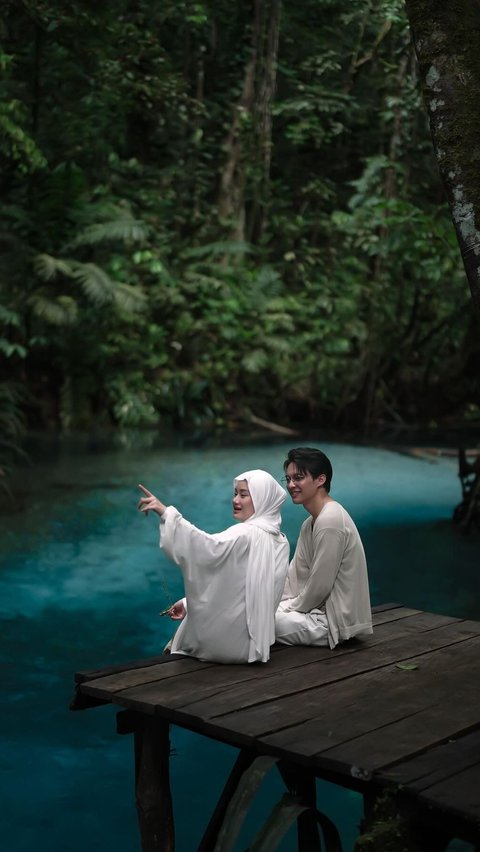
(406, 667)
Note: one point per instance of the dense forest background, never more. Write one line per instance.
(214, 210)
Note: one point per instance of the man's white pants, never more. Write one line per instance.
(301, 628)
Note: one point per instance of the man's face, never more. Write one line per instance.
(301, 486)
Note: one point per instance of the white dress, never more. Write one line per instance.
(233, 580)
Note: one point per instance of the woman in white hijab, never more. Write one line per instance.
(234, 579)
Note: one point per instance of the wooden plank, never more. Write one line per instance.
(172, 694)
(459, 794)
(334, 715)
(405, 737)
(393, 614)
(91, 674)
(331, 669)
(437, 764)
(384, 606)
(419, 621)
(290, 658)
(408, 715)
(112, 678)
(387, 613)
(106, 686)
(370, 699)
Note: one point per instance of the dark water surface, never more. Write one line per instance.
(82, 581)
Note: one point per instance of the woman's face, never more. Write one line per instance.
(243, 507)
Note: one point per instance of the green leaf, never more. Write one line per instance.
(48, 267)
(406, 667)
(96, 284)
(10, 349)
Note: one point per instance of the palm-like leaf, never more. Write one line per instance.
(8, 317)
(96, 284)
(48, 267)
(255, 361)
(10, 349)
(129, 298)
(124, 229)
(59, 311)
(226, 247)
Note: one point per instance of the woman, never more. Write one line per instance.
(234, 579)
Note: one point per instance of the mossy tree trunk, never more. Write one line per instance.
(446, 36)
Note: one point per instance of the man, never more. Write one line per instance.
(326, 598)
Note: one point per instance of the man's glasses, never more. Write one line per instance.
(297, 477)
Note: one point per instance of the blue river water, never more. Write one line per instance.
(82, 581)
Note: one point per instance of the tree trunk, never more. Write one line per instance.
(446, 36)
(249, 141)
(263, 107)
(231, 203)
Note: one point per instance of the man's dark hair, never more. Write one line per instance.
(312, 461)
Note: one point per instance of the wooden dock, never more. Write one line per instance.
(399, 712)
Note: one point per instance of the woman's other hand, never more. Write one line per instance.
(150, 503)
(178, 611)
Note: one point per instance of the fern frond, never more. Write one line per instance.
(96, 284)
(129, 298)
(123, 230)
(8, 317)
(10, 349)
(280, 346)
(268, 281)
(60, 311)
(229, 247)
(255, 361)
(48, 267)
(194, 277)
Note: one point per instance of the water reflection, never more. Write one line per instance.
(82, 581)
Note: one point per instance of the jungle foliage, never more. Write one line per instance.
(212, 209)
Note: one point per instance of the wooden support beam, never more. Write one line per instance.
(128, 721)
(152, 785)
(301, 783)
(243, 762)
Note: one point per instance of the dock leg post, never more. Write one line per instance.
(152, 785)
(301, 783)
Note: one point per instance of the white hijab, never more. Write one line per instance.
(268, 497)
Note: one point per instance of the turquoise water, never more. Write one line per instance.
(82, 581)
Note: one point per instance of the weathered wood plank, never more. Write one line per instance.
(416, 621)
(290, 658)
(91, 674)
(393, 614)
(219, 691)
(402, 720)
(106, 686)
(440, 671)
(460, 794)
(145, 670)
(436, 764)
(405, 737)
